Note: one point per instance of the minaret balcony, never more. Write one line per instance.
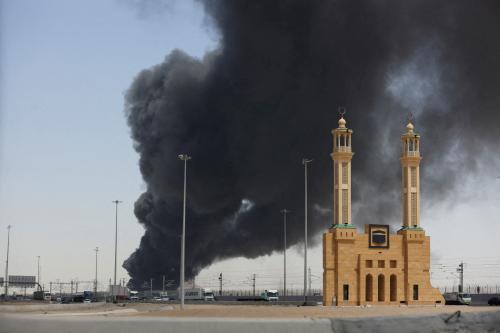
(412, 153)
(343, 149)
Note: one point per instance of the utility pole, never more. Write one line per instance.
(6, 282)
(95, 281)
(309, 281)
(116, 202)
(38, 264)
(50, 288)
(460, 270)
(220, 284)
(254, 284)
(185, 158)
(305, 161)
(151, 288)
(284, 212)
(163, 286)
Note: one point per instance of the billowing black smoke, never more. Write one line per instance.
(249, 112)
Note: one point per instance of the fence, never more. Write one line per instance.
(473, 289)
(246, 292)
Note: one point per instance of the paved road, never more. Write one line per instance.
(38, 323)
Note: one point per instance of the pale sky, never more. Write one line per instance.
(65, 150)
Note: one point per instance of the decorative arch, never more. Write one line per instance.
(381, 288)
(394, 287)
(369, 288)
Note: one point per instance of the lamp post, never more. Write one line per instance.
(185, 158)
(284, 211)
(95, 281)
(305, 161)
(116, 202)
(38, 271)
(6, 282)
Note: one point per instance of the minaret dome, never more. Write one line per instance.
(342, 122)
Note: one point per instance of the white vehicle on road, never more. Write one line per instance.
(457, 298)
(203, 294)
(134, 295)
(270, 295)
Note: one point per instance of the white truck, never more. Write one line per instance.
(203, 294)
(41, 295)
(118, 291)
(270, 295)
(457, 298)
(134, 295)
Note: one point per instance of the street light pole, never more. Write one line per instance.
(38, 264)
(305, 161)
(95, 281)
(185, 158)
(284, 211)
(6, 282)
(116, 202)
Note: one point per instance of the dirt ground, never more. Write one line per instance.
(241, 311)
(278, 311)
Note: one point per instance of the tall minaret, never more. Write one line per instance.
(410, 163)
(342, 156)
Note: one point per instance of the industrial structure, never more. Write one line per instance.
(376, 267)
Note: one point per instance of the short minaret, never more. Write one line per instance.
(342, 156)
(410, 164)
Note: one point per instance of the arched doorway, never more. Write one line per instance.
(369, 288)
(381, 288)
(394, 288)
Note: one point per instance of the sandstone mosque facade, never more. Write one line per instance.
(375, 266)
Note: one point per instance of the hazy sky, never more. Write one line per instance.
(65, 150)
(65, 146)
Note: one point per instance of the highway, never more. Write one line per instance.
(456, 319)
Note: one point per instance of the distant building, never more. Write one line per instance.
(376, 267)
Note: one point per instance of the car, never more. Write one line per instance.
(165, 299)
(494, 301)
(87, 300)
(66, 300)
(157, 299)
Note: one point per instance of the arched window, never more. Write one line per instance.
(381, 288)
(394, 288)
(369, 288)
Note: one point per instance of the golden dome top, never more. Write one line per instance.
(342, 122)
(409, 127)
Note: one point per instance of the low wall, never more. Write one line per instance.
(482, 299)
(50, 307)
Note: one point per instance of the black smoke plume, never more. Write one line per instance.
(249, 112)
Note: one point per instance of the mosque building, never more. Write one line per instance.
(376, 266)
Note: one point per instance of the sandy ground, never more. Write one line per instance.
(256, 311)
(253, 311)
